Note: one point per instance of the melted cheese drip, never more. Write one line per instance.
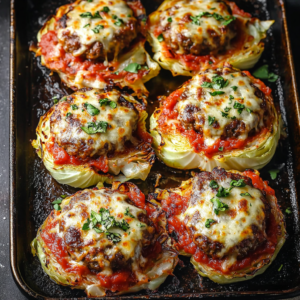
(79, 26)
(198, 33)
(122, 121)
(213, 106)
(131, 241)
(233, 225)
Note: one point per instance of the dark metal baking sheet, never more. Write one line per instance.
(32, 189)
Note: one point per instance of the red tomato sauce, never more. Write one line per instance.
(57, 59)
(174, 204)
(118, 281)
(259, 183)
(265, 89)
(61, 157)
(57, 247)
(143, 135)
(237, 11)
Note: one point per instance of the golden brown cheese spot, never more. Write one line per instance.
(243, 205)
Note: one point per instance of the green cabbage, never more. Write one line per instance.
(175, 151)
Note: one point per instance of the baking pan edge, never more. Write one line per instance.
(13, 245)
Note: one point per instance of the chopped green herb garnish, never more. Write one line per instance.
(144, 20)
(248, 110)
(127, 213)
(234, 87)
(119, 22)
(55, 99)
(86, 25)
(94, 127)
(215, 93)
(222, 192)
(114, 237)
(74, 107)
(240, 107)
(57, 207)
(213, 184)
(116, 73)
(106, 101)
(97, 28)
(210, 62)
(160, 38)
(227, 109)
(89, 0)
(287, 211)
(230, 99)
(105, 9)
(218, 205)
(245, 194)
(92, 110)
(114, 17)
(128, 16)
(224, 115)
(209, 222)
(64, 99)
(141, 225)
(86, 226)
(169, 19)
(263, 73)
(68, 115)
(273, 173)
(195, 20)
(133, 68)
(86, 15)
(218, 82)
(238, 183)
(280, 268)
(211, 120)
(221, 149)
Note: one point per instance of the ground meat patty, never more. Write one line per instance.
(236, 229)
(191, 27)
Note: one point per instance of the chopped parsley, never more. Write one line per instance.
(240, 107)
(105, 9)
(133, 68)
(224, 115)
(103, 218)
(55, 99)
(116, 73)
(218, 205)
(92, 110)
(195, 20)
(94, 127)
(211, 120)
(215, 93)
(287, 211)
(234, 87)
(221, 149)
(248, 110)
(86, 25)
(119, 22)
(68, 115)
(273, 173)
(97, 28)
(225, 20)
(222, 192)
(63, 98)
(127, 213)
(230, 99)
(213, 184)
(218, 82)
(90, 15)
(227, 109)
(263, 73)
(209, 222)
(141, 225)
(169, 19)
(280, 268)
(106, 101)
(58, 201)
(246, 194)
(160, 38)
(74, 107)
(144, 20)
(210, 62)
(238, 183)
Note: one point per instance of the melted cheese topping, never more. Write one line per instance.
(212, 106)
(91, 30)
(122, 121)
(231, 226)
(73, 218)
(177, 18)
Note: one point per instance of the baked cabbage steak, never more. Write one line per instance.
(106, 241)
(95, 136)
(229, 223)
